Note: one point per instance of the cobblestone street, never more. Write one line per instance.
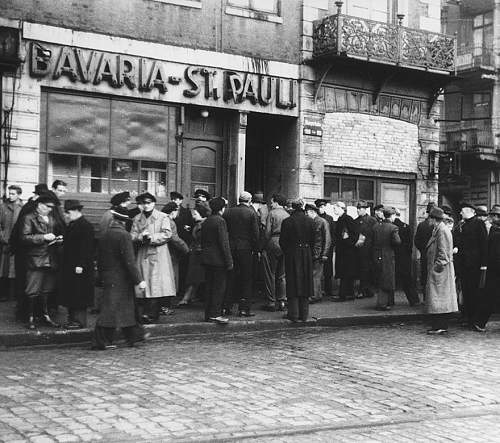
(390, 383)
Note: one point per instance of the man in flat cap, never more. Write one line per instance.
(422, 237)
(472, 255)
(243, 228)
(322, 230)
(385, 241)
(78, 266)
(365, 223)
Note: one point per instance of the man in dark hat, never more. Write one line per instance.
(328, 265)
(77, 266)
(378, 212)
(489, 301)
(119, 274)
(40, 236)
(122, 199)
(243, 228)
(422, 237)
(472, 244)
(385, 241)
(365, 223)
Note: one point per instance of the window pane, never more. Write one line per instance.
(366, 190)
(332, 188)
(153, 178)
(201, 174)
(124, 176)
(348, 193)
(94, 175)
(78, 124)
(203, 157)
(139, 130)
(63, 167)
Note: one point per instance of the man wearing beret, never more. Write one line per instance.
(472, 244)
(78, 265)
(385, 241)
(243, 228)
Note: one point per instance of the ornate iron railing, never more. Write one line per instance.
(381, 42)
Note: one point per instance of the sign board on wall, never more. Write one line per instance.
(174, 82)
(313, 126)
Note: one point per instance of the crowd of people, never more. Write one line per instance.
(288, 251)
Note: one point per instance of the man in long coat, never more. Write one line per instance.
(385, 240)
(346, 260)
(323, 232)
(422, 237)
(119, 274)
(243, 228)
(9, 212)
(77, 266)
(328, 265)
(217, 260)
(441, 296)
(490, 300)
(300, 243)
(472, 243)
(151, 231)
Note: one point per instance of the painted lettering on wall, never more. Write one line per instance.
(117, 70)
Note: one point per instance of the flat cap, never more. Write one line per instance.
(245, 197)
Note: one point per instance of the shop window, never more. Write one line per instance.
(107, 145)
(349, 189)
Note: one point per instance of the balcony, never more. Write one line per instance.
(379, 42)
(475, 58)
(475, 143)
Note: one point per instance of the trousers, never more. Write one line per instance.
(274, 276)
(298, 308)
(317, 278)
(215, 288)
(240, 288)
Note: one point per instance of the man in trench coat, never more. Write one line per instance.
(119, 274)
(385, 240)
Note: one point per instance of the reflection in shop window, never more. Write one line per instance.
(63, 167)
(124, 175)
(94, 175)
(154, 178)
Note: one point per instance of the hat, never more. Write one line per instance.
(216, 204)
(170, 207)
(310, 207)
(120, 213)
(202, 192)
(436, 213)
(48, 197)
(120, 198)
(378, 207)
(72, 204)
(495, 210)
(320, 202)
(362, 204)
(245, 197)
(146, 196)
(174, 195)
(258, 197)
(467, 205)
(482, 210)
(340, 205)
(40, 188)
(430, 205)
(388, 212)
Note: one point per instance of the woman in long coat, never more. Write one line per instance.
(151, 231)
(77, 266)
(119, 274)
(441, 295)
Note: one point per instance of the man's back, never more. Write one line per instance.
(242, 226)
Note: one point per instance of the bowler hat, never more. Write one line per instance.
(72, 204)
(203, 193)
(436, 213)
(482, 210)
(120, 198)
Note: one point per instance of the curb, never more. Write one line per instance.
(84, 336)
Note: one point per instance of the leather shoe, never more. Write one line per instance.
(246, 314)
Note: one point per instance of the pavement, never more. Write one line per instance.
(309, 384)
(189, 320)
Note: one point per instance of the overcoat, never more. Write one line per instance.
(79, 247)
(178, 249)
(472, 242)
(119, 273)
(196, 272)
(405, 249)
(346, 236)
(365, 226)
(243, 227)
(493, 272)
(441, 295)
(153, 256)
(9, 212)
(299, 241)
(215, 250)
(385, 240)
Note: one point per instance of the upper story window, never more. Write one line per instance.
(482, 32)
(378, 10)
(269, 10)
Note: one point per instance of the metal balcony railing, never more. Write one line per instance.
(468, 140)
(381, 42)
(471, 57)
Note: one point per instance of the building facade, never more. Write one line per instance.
(310, 98)
(470, 161)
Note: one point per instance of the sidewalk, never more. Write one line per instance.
(189, 320)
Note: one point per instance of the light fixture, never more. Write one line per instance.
(204, 113)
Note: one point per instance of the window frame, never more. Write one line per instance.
(253, 12)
